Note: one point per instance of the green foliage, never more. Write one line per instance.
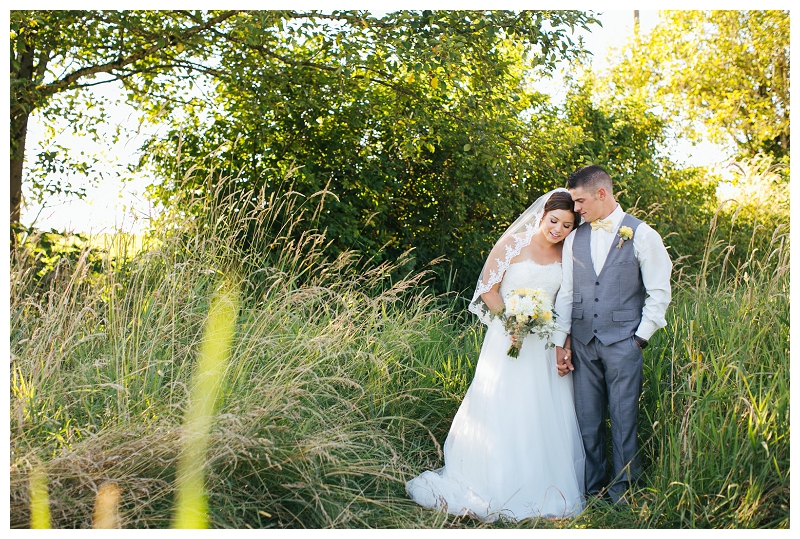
(411, 124)
(49, 254)
(716, 399)
(753, 210)
(159, 57)
(56, 55)
(366, 149)
(70, 48)
(623, 136)
(727, 71)
(331, 360)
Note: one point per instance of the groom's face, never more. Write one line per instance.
(587, 204)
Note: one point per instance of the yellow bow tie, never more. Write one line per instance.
(605, 225)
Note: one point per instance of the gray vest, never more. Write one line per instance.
(607, 306)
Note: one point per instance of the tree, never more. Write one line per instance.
(414, 123)
(622, 135)
(727, 71)
(59, 53)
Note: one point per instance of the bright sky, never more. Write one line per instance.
(114, 203)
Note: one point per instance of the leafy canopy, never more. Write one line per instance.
(416, 126)
(720, 73)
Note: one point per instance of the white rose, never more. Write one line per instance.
(512, 305)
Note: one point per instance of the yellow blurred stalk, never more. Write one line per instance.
(40, 500)
(191, 509)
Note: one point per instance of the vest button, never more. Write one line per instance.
(594, 330)
(598, 282)
(596, 299)
(595, 315)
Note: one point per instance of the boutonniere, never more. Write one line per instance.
(625, 233)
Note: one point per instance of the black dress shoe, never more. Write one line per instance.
(622, 500)
(602, 496)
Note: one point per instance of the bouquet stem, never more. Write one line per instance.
(513, 350)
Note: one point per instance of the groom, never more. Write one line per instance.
(614, 293)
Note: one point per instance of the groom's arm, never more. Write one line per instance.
(656, 268)
(563, 306)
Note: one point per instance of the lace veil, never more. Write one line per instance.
(517, 236)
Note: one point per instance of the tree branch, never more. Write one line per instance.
(109, 67)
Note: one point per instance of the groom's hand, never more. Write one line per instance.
(564, 361)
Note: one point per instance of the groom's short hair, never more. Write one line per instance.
(590, 178)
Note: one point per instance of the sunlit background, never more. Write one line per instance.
(342, 382)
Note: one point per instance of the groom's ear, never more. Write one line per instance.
(601, 193)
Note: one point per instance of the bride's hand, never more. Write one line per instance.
(564, 361)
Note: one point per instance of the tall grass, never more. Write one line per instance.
(332, 397)
(716, 397)
(342, 381)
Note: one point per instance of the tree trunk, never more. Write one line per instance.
(20, 112)
(17, 160)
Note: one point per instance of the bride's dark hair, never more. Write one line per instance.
(561, 200)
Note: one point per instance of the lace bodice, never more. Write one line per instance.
(529, 274)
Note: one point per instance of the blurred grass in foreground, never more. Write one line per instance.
(191, 505)
(40, 501)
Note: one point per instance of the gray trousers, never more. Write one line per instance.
(608, 378)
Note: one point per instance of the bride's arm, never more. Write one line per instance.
(493, 300)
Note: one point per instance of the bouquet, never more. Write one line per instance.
(527, 311)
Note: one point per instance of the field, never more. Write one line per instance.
(336, 382)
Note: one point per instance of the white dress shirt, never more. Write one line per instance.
(654, 264)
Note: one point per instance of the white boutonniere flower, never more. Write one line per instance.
(625, 233)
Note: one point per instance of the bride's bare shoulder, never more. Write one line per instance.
(509, 240)
(513, 239)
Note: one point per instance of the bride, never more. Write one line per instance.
(514, 448)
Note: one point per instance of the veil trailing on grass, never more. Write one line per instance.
(517, 236)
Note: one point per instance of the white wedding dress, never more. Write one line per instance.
(514, 448)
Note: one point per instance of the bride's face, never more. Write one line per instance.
(556, 225)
